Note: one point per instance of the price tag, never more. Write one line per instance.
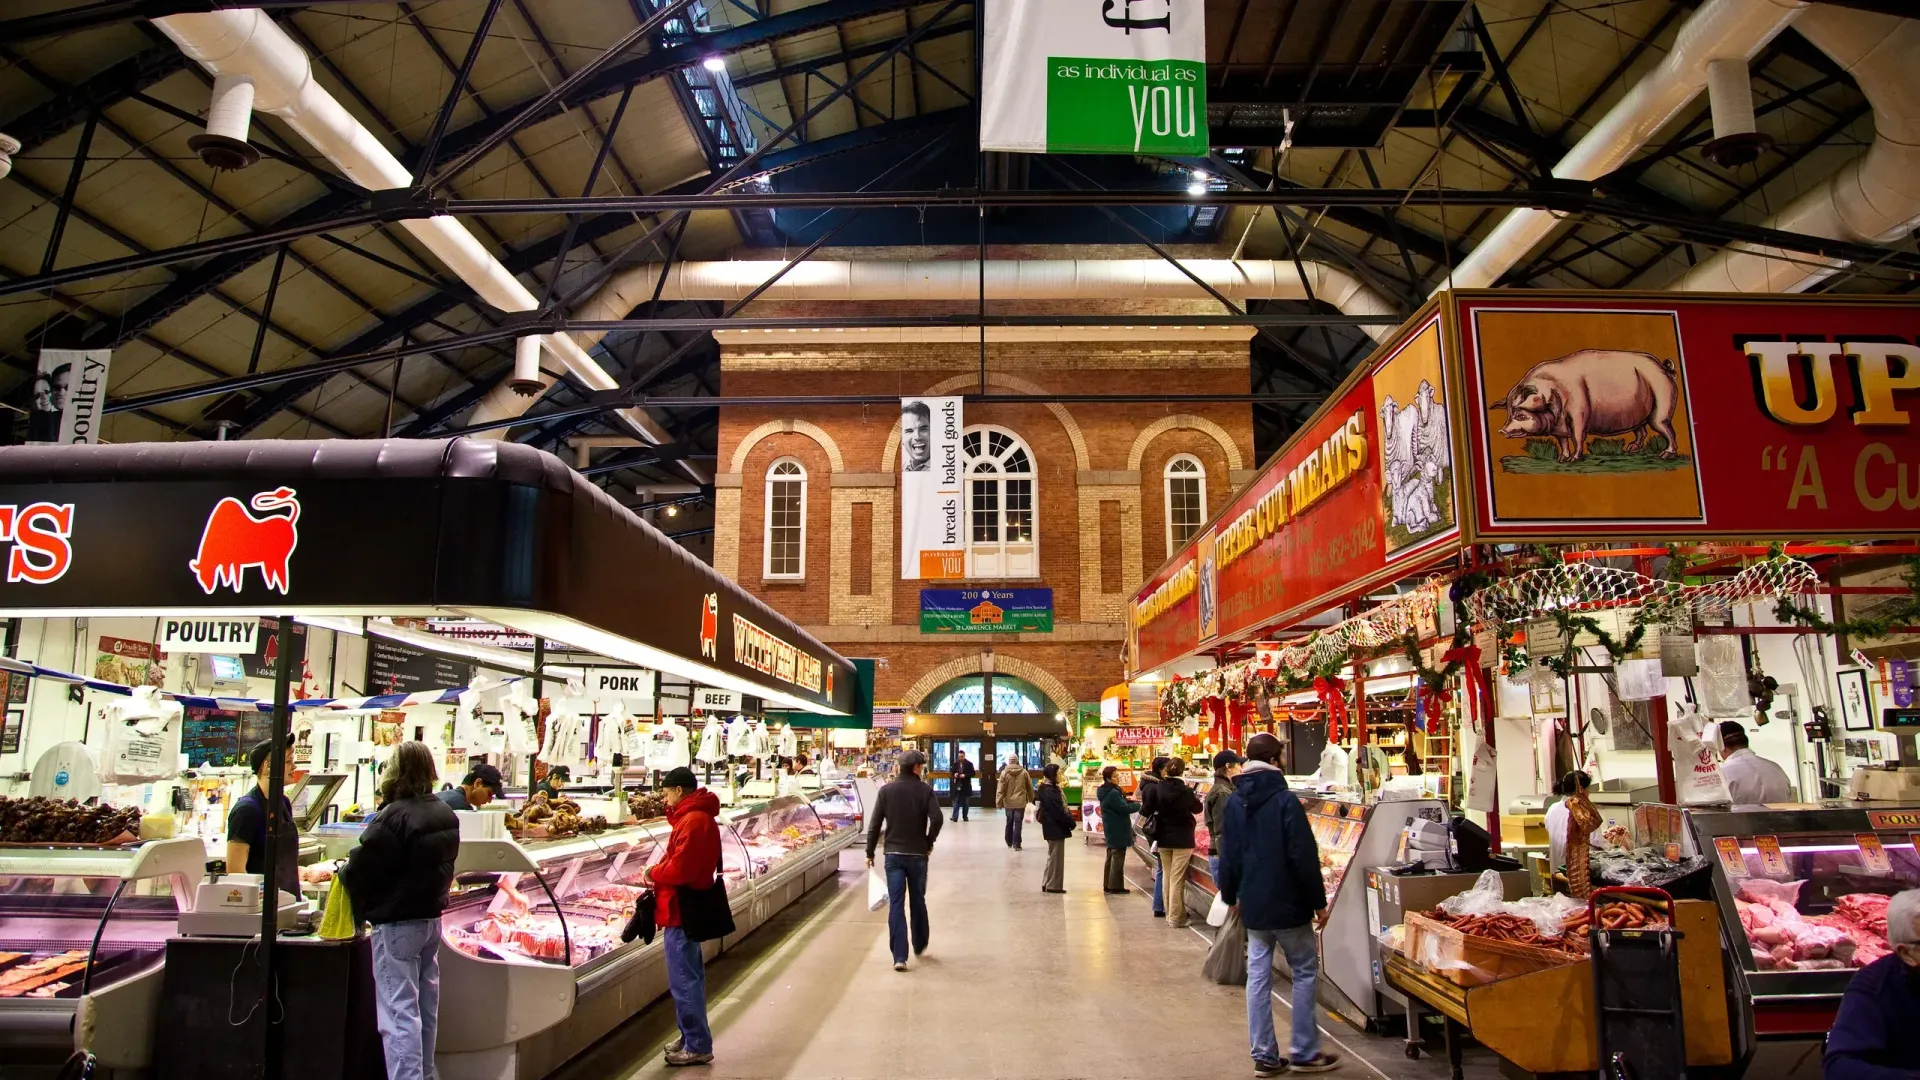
(1772, 862)
(1731, 860)
(1874, 853)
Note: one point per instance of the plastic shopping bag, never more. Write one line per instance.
(1696, 765)
(1217, 914)
(876, 889)
(1227, 960)
(337, 922)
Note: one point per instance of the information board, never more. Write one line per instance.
(393, 668)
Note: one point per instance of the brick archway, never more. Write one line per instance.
(1182, 420)
(1011, 382)
(800, 427)
(1003, 664)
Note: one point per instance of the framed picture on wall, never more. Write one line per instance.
(10, 730)
(1856, 701)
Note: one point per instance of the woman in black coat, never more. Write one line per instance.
(1056, 824)
(398, 879)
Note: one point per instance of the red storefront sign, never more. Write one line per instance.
(1593, 415)
(1366, 486)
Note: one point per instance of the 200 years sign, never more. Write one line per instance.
(986, 611)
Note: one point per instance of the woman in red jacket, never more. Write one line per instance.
(693, 854)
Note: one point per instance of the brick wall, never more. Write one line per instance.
(1100, 510)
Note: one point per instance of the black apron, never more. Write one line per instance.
(286, 848)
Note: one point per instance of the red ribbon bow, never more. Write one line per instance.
(1332, 694)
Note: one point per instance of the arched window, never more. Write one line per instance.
(970, 696)
(1186, 484)
(786, 546)
(1000, 505)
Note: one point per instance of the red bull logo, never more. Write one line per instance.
(710, 627)
(235, 540)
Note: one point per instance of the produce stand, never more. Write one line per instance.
(1505, 1015)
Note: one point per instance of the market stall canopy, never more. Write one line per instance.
(402, 527)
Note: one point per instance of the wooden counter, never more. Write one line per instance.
(1544, 1022)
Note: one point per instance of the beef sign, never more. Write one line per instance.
(1593, 392)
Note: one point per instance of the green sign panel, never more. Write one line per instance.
(986, 611)
(1136, 106)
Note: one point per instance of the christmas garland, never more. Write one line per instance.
(1904, 611)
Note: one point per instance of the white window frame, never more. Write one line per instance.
(1167, 477)
(985, 431)
(766, 522)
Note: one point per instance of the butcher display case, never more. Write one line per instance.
(1353, 834)
(1803, 900)
(533, 968)
(83, 932)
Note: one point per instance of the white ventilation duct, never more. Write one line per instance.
(1720, 29)
(229, 116)
(236, 42)
(526, 379)
(1006, 279)
(1875, 198)
(1736, 138)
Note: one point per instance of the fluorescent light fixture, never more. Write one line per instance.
(1197, 188)
(595, 640)
(1200, 176)
(714, 63)
(336, 623)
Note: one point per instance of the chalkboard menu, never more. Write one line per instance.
(393, 668)
(223, 737)
(210, 737)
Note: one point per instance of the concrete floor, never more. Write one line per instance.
(1015, 984)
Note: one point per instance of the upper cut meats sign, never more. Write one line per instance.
(1710, 417)
(1095, 77)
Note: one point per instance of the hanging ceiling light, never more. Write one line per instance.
(714, 63)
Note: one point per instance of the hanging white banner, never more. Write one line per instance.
(69, 396)
(930, 486)
(1095, 77)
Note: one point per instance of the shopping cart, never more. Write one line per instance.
(1636, 990)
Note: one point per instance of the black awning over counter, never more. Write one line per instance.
(388, 527)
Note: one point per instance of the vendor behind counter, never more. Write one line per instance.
(247, 826)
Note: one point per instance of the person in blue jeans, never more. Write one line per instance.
(1270, 871)
(691, 861)
(908, 812)
(397, 879)
(1154, 775)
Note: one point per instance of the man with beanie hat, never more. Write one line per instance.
(908, 812)
(692, 858)
(1270, 870)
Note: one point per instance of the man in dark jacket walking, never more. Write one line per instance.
(1270, 870)
(908, 812)
(963, 772)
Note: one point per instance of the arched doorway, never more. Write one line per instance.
(990, 718)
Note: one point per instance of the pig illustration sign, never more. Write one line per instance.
(1690, 417)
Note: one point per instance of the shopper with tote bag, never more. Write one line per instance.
(691, 907)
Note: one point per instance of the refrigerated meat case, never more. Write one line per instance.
(1793, 981)
(83, 933)
(532, 967)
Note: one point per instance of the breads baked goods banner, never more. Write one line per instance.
(931, 482)
(1078, 76)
